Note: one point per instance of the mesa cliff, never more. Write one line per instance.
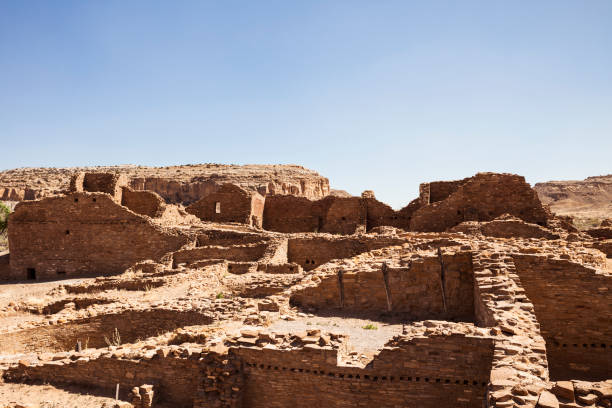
(176, 184)
(588, 201)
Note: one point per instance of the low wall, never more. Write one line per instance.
(430, 288)
(174, 379)
(425, 372)
(131, 325)
(309, 253)
(237, 253)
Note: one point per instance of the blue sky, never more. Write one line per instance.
(375, 95)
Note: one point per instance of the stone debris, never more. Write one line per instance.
(473, 295)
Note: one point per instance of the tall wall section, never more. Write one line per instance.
(483, 197)
(573, 305)
(82, 233)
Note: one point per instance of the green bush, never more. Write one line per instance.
(4, 214)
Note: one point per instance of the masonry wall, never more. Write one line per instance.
(574, 308)
(82, 234)
(309, 253)
(132, 325)
(230, 203)
(380, 214)
(287, 213)
(109, 183)
(5, 266)
(435, 191)
(505, 228)
(336, 215)
(174, 379)
(143, 202)
(228, 237)
(425, 373)
(419, 291)
(483, 197)
(237, 253)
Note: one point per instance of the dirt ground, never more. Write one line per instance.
(47, 396)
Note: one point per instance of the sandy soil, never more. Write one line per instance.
(47, 396)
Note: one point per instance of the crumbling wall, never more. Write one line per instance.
(505, 226)
(380, 214)
(110, 183)
(226, 238)
(431, 372)
(574, 308)
(435, 191)
(82, 234)
(600, 233)
(237, 253)
(309, 253)
(143, 202)
(483, 197)
(131, 326)
(230, 203)
(175, 379)
(436, 287)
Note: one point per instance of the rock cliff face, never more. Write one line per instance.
(176, 184)
(588, 201)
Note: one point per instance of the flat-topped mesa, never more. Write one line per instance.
(176, 184)
(587, 201)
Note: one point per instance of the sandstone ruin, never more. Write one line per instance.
(234, 295)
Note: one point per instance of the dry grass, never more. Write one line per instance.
(584, 223)
(3, 242)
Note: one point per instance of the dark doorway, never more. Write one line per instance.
(31, 274)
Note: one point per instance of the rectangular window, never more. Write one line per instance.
(218, 207)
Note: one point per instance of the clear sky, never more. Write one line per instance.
(377, 95)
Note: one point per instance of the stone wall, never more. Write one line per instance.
(448, 371)
(285, 213)
(441, 205)
(174, 378)
(131, 326)
(435, 191)
(436, 287)
(230, 203)
(309, 253)
(574, 308)
(600, 233)
(82, 234)
(483, 197)
(505, 226)
(336, 215)
(109, 183)
(237, 253)
(143, 202)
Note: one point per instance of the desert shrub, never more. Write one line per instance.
(4, 214)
